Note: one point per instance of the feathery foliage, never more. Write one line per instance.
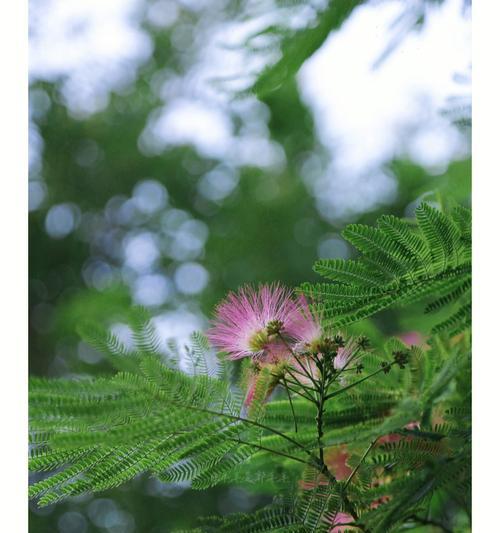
(101, 433)
(150, 418)
(399, 416)
(401, 264)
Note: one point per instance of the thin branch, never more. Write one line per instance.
(340, 391)
(252, 423)
(294, 355)
(308, 374)
(304, 393)
(265, 449)
(293, 371)
(257, 424)
(291, 405)
(348, 362)
(354, 472)
(299, 393)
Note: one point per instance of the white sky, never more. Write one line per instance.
(365, 116)
(354, 105)
(94, 41)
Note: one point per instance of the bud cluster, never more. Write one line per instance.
(363, 342)
(385, 366)
(401, 358)
(274, 327)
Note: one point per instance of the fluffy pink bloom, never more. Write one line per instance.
(241, 325)
(306, 326)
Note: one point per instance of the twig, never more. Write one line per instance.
(340, 391)
(265, 449)
(291, 405)
(353, 473)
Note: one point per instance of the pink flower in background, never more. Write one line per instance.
(396, 437)
(412, 338)
(341, 518)
(336, 459)
(244, 319)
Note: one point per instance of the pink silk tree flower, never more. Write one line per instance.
(247, 323)
(341, 518)
(342, 360)
(336, 459)
(412, 338)
(396, 437)
(306, 326)
(343, 357)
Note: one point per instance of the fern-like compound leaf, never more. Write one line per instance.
(400, 264)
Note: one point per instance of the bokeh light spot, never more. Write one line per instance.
(150, 196)
(36, 194)
(191, 278)
(218, 183)
(72, 522)
(332, 247)
(61, 220)
(152, 289)
(141, 251)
